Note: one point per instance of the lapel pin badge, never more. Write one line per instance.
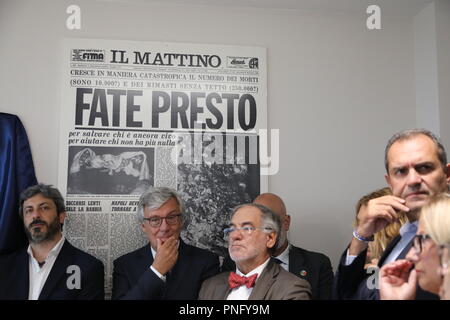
(303, 273)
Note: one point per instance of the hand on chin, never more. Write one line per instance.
(165, 238)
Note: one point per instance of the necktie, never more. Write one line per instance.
(235, 280)
(278, 261)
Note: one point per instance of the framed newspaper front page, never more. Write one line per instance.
(140, 114)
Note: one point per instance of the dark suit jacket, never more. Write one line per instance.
(274, 283)
(351, 281)
(133, 278)
(14, 276)
(311, 266)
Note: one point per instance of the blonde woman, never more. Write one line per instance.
(428, 256)
(384, 236)
(445, 265)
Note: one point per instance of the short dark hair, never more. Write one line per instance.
(47, 191)
(410, 133)
(270, 220)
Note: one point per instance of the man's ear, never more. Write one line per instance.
(388, 180)
(271, 239)
(447, 172)
(287, 222)
(62, 217)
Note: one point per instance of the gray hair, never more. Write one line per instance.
(47, 191)
(408, 134)
(270, 220)
(154, 198)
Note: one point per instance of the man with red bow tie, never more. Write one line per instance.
(252, 236)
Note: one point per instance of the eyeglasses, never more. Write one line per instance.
(157, 221)
(244, 230)
(418, 242)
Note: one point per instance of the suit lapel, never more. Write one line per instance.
(296, 261)
(265, 281)
(145, 259)
(63, 260)
(221, 288)
(405, 251)
(226, 289)
(389, 249)
(23, 275)
(175, 276)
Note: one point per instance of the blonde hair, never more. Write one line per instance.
(383, 237)
(365, 199)
(435, 216)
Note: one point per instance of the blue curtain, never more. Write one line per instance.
(16, 174)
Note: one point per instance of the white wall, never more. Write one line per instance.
(432, 68)
(426, 69)
(336, 91)
(443, 63)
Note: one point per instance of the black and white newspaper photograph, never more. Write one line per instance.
(145, 114)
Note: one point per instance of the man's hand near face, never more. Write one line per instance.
(375, 216)
(166, 255)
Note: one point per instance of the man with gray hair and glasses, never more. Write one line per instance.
(166, 268)
(252, 238)
(416, 169)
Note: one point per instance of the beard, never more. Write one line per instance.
(243, 256)
(36, 235)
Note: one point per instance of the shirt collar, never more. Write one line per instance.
(53, 253)
(409, 228)
(284, 256)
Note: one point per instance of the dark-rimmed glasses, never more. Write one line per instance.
(418, 242)
(155, 222)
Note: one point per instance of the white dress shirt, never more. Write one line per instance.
(242, 292)
(39, 275)
(284, 258)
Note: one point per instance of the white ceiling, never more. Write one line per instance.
(388, 7)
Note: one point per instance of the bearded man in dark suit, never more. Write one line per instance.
(49, 268)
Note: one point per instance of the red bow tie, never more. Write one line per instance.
(235, 280)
